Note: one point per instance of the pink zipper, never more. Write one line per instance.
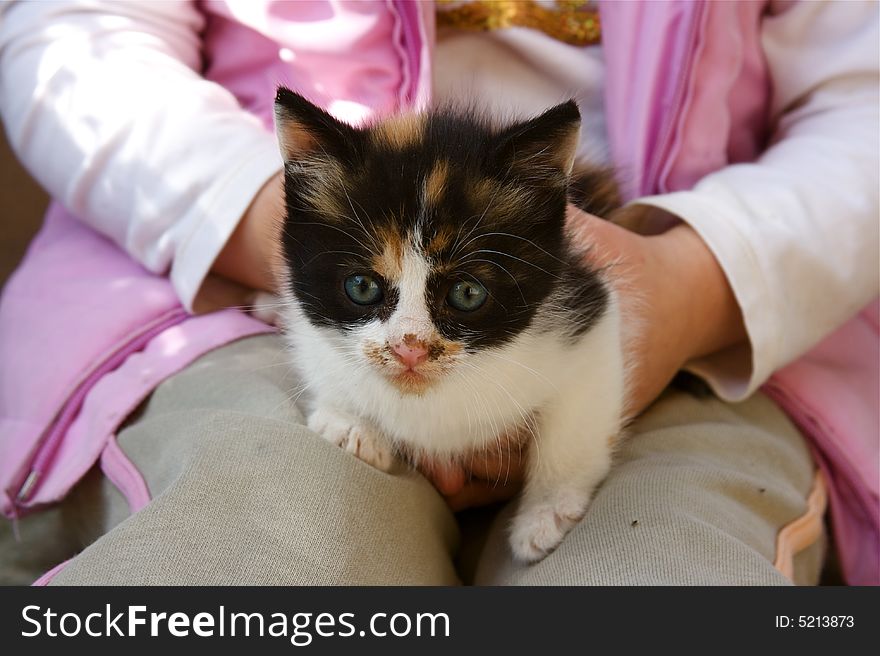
(671, 117)
(411, 41)
(54, 434)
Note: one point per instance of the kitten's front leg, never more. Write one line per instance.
(569, 459)
(354, 435)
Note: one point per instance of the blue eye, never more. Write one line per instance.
(363, 290)
(467, 296)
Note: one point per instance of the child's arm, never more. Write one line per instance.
(105, 105)
(796, 232)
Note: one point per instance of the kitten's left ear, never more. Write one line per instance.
(546, 141)
(305, 130)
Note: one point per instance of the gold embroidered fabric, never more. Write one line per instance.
(575, 22)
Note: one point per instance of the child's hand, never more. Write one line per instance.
(677, 306)
(490, 478)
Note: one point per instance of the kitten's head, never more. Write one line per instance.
(418, 241)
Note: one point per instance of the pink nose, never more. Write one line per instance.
(410, 352)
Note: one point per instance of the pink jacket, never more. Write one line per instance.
(86, 334)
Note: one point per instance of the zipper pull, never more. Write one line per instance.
(29, 484)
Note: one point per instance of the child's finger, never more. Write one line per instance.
(480, 493)
(448, 478)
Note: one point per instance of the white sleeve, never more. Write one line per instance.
(103, 103)
(796, 232)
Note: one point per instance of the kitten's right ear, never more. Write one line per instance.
(305, 130)
(544, 143)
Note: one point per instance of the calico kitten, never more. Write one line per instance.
(436, 307)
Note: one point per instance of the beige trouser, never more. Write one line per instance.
(243, 493)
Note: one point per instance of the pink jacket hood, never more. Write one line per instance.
(86, 333)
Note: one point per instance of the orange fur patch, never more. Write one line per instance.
(440, 241)
(388, 263)
(400, 131)
(435, 183)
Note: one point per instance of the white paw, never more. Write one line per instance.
(354, 437)
(538, 528)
